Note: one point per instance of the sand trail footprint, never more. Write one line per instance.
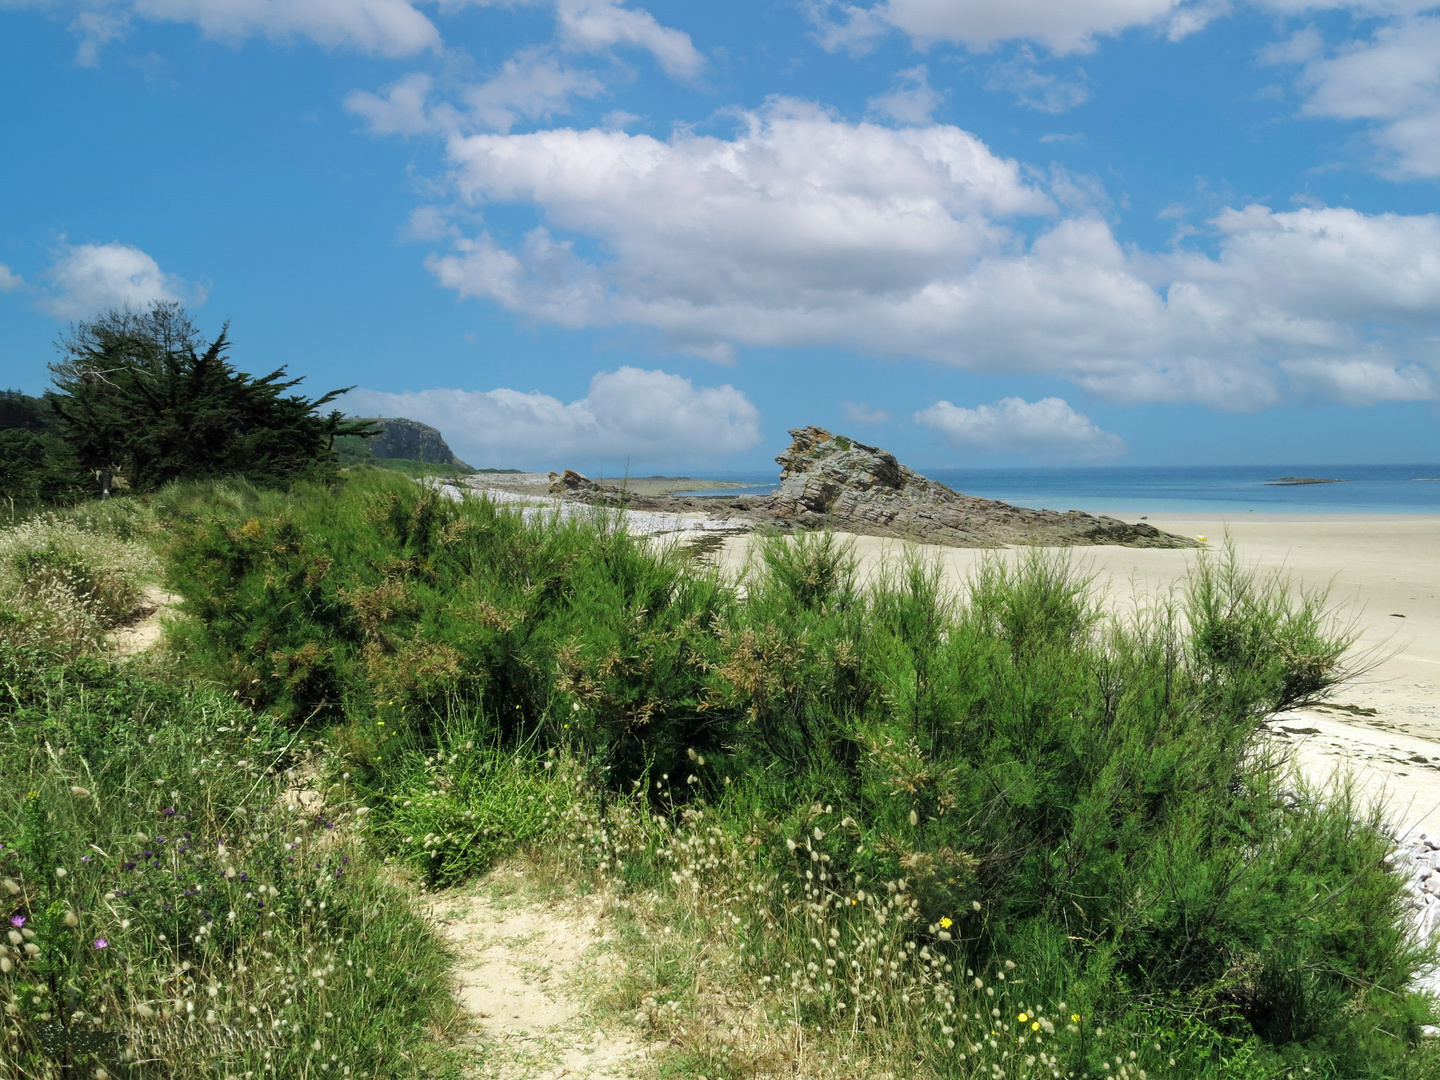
(519, 973)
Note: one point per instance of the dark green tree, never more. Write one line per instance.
(37, 467)
(141, 395)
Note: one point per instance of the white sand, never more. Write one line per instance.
(1384, 571)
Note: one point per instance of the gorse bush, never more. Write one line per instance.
(382, 600)
(1086, 797)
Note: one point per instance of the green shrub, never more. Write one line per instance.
(382, 600)
(39, 469)
(1088, 798)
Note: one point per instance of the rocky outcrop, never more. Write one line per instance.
(832, 481)
(571, 482)
(412, 440)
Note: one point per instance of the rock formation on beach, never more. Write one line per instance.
(831, 481)
(571, 482)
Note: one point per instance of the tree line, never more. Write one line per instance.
(140, 398)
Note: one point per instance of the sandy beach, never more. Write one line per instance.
(1383, 572)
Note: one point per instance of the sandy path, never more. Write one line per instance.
(1383, 570)
(145, 631)
(522, 972)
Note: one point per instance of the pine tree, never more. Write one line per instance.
(141, 395)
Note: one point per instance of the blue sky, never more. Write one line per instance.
(609, 234)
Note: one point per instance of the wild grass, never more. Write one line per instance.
(833, 809)
(164, 913)
(64, 586)
(166, 916)
(451, 807)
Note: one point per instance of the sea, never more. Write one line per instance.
(1196, 489)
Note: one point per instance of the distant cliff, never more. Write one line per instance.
(410, 440)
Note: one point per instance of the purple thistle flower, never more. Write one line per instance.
(101, 943)
(17, 921)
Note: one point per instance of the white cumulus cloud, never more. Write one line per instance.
(595, 25)
(629, 415)
(1062, 26)
(1048, 429)
(534, 84)
(390, 28)
(9, 280)
(807, 230)
(385, 27)
(1363, 382)
(1390, 81)
(402, 110)
(89, 278)
(381, 27)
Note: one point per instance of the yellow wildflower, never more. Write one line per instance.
(945, 922)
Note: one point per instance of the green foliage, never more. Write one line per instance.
(1086, 797)
(137, 395)
(39, 469)
(1255, 642)
(20, 411)
(453, 807)
(173, 918)
(354, 450)
(383, 600)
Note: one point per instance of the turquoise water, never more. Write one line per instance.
(1366, 489)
